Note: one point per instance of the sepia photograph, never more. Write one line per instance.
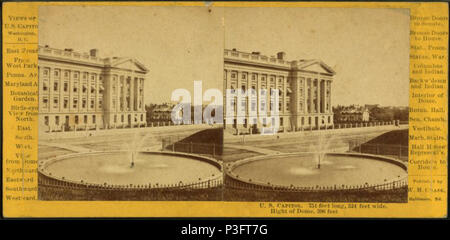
(262, 104)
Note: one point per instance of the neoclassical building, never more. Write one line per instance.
(304, 91)
(81, 91)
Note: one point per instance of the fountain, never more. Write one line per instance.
(319, 149)
(318, 167)
(134, 147)
(133, 163)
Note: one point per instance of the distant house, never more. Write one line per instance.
(161, 113)
(354, 114)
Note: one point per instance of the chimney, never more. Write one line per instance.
(281, 55)
(93, 52)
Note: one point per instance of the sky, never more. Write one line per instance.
(368, 48)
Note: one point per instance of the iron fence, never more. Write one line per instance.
(397, 151)
(243, 185)
(47, 181)
(193, 148)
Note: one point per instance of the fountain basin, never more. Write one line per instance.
(300, 170)
(114, 169)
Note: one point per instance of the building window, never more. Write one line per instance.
(329, 119)
(57, 120)
(66, 74)
(93, 119)
(66, 102)
(44, 86)
(76, 119)
(92, 103)
(66, 86)
(83, 103)
(121, 118)
(75, 103)
(115, 118)
(45, 72)
(85, 120)
(142, 117)
(46, 120)
(55, 86)
(44, 102)
(55, 103)
(84, 76)
(233, 75)
(75, 75)
(100, 103)
(56, 73)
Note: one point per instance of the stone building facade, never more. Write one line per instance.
(304, 90)
(83, 91)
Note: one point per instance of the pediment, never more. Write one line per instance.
(130, 64)
(317, 66)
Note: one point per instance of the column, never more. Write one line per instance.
(275, 88)
(124, 94)
(88, 95)
(97, 95)
(329, 99)
(284, 94)
(247, 99)
(50, 89)
(61, 92)
(258, 97)
(238, 100)
(227, 86)
(80, 90)
(305, 96)
(71, 82)
(132, 97)
(324, 103)
(118, 94)
(311, 91)
(318, 96)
